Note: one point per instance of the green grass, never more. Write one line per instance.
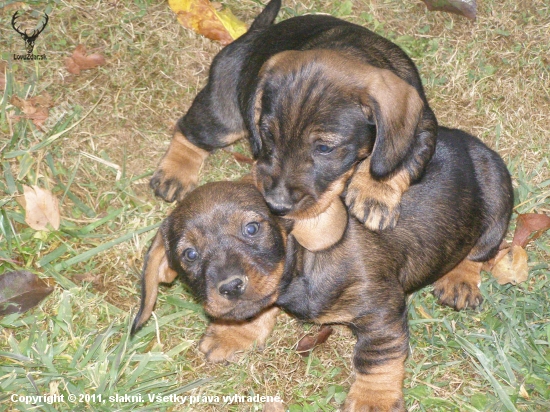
(105, 135)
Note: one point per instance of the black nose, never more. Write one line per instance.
(232, 287)
(280, 209)
(278, 200)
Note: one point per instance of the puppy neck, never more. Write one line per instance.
(324, 230)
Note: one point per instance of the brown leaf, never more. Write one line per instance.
(467, 8)
(2, 75)
(21, 291)
(273, 407)
(36, 108)
(241, 158)
(528, 224)
(80, 61)
(309, 342)
(41, 208)
(502, 250)
(512, 268)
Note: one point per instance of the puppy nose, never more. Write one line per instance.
(278, 201)
(232, 287)
(280, 209)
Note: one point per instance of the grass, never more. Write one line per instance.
(107, 131)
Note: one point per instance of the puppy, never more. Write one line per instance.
(344, 89)
(243, 262)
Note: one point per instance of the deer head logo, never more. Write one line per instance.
(29, 38)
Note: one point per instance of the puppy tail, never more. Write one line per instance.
(155, 270)
(267, 16)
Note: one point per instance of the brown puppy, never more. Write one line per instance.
(338, 87)
(243, 262)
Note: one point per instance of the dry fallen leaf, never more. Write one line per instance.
(2, 75)
(80, 61)
(528, 224)
(202, 17)
(309, 342)
(21, 291)
(241, 158)
(510, 264)
(36, 108)
(467, 8)
(512, 268)
(41, 208)
(502, 250)
(273, 407)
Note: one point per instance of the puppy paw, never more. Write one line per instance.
(366, 403)
(171, 185)
(178, 171)
(378, 390)
(375, 203)
(459, 288)
(223, 341)
(221, 344)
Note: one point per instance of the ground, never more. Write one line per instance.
(107, 130)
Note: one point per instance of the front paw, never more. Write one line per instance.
(368, 401)
(220, 344)
(224, 340)
(376, 214)
(377, 204)
(173, 182)
(178, 171)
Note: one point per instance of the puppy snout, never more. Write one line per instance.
(233, 287)
(279, 201)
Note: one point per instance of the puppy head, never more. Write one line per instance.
(228, 248)
(316, 114)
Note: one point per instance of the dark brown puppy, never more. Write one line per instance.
(342, 89)
(243, 262)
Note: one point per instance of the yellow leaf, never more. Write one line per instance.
(232, 24)
(201, 17)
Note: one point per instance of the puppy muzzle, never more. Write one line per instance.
(232, 287)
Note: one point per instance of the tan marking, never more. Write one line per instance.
(324, 230)
(332, 193)
(156, 271)
(459, 288)
(383, 197)
(223, 340)
(380, 390)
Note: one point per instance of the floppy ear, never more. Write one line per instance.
(155, 270)
(254, 107)
(395, 107)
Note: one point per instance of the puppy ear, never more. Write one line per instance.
(254, 108)
(155, 270)
(267, 16)
(395, 107)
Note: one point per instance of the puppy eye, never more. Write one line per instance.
(251, 229)
(323, 148)
(190, 254)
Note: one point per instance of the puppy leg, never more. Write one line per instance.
(376, 203)
(379, 359)
(223, 340)
(178, 171)
(459, 288)
(380, 390)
